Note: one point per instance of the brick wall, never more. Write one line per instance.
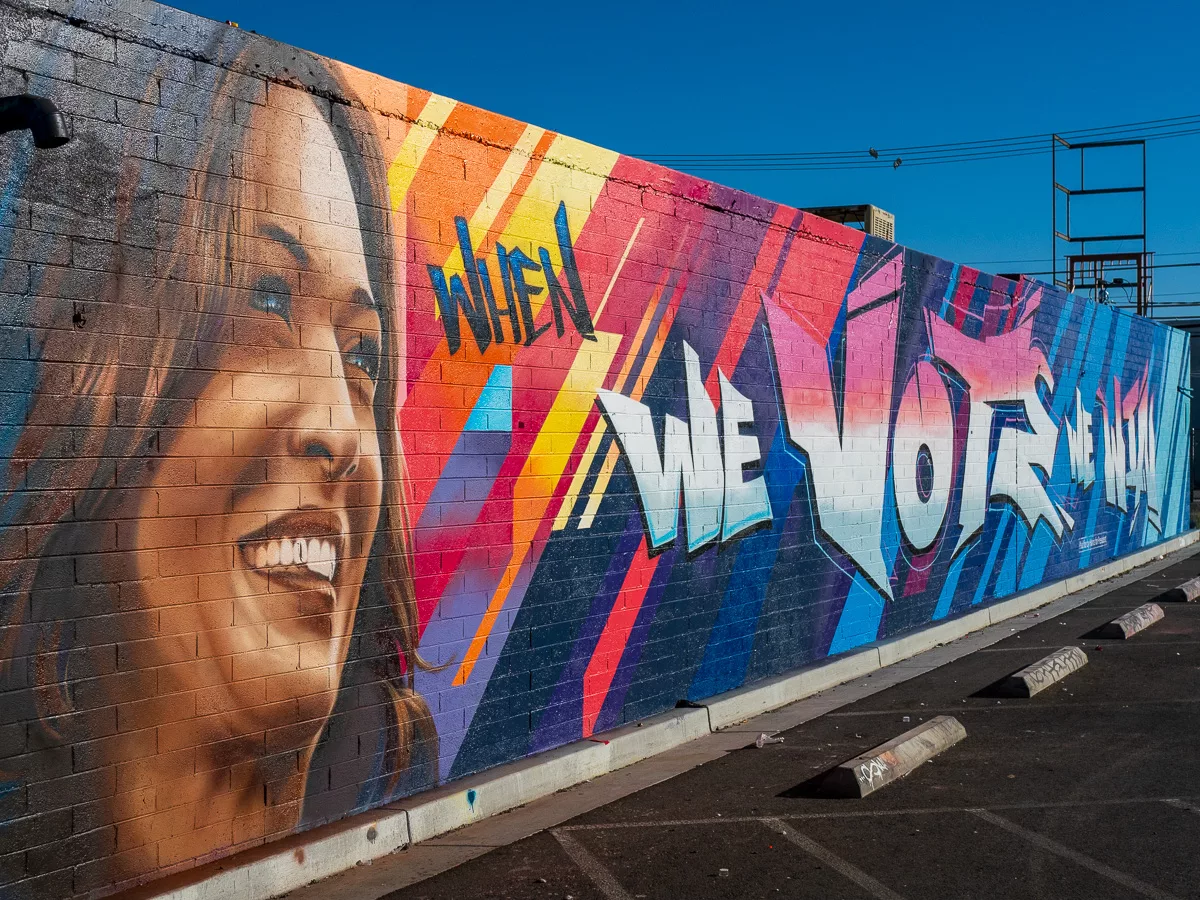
(353, 440)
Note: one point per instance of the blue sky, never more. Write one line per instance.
(704, 77)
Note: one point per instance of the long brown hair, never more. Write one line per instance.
(110, 371)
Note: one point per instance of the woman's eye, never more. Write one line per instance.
(271, 294)
(365, 356)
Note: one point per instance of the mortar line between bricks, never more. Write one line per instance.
(590, 866)
(846, 869)
(876, 813)
(1051, 846)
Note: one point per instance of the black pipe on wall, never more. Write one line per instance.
(39, 115)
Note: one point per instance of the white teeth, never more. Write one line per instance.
(318, 556)
(322, 558)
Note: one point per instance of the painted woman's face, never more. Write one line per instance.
(255, 528)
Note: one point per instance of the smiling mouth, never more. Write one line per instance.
(298, 545)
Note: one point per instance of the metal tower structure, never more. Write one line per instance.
(1095, 270)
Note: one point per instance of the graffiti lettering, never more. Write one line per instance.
(839, 418)
(998, 371)
(836, 413)
(923, 456)
(869, 771)
(476, 300)
(1081, 445)
(835, 416)
(714, 490)
(1054, 667)
(1126, 435)
(1129, 449)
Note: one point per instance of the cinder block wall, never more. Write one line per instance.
(353, 440)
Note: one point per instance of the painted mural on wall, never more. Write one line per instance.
(346, 452)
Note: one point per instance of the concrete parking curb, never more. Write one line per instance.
(890, 761)
(285, 865)
(1188, 592)
(1126, 626)
(1036, 678)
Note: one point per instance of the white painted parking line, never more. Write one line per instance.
(848, 870)
(591, 867)
(1183, 804)
(874, 813)
(1134, 884)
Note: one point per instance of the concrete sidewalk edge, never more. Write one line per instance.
(285, 865)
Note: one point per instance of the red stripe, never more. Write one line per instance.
(607, 655)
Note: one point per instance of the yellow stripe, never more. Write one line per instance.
(573, 173)
(612, 281)
(543, 468)
(585, 465)
(493, 201)
(506, 180)
(601, 485)
(416, 144)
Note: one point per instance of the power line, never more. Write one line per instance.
(1045, 259)
(1042, 137)
(1182, 265)
(1032, 141)
(1155, 304)
(927, 154)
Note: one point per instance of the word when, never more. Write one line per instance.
(718, 501)
(476, 300)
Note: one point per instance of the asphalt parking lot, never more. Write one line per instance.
(1087, 790)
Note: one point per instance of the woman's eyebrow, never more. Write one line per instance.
(285, 237)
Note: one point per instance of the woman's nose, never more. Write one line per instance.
(339, 449)
(328, 428)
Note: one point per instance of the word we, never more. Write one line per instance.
(718, 501)
(477, 303)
